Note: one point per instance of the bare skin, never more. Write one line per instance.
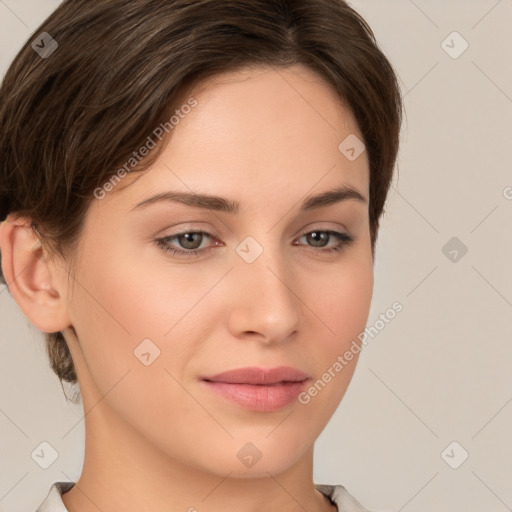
(156, 438)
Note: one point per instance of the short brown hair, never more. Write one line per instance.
(68, 121)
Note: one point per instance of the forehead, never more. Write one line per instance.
(265, 93)
(275, 129)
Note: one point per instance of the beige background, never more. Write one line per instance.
(440, 371)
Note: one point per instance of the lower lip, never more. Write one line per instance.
(264, 398)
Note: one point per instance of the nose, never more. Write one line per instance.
(264, 304)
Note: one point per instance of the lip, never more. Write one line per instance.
(259, 389)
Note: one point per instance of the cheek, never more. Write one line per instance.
(122, 301)
(117, 308)
(342, 316)
(341, 297)
(350, 305)
(341, 300)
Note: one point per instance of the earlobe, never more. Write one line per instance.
(28, 276)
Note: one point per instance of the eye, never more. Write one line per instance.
(191, 241)
(320, 236)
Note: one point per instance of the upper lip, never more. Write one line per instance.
(255, 375)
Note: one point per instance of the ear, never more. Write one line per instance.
(28, 276)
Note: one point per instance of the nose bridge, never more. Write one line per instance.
(269, 272)
(264, 261)
(266, 298)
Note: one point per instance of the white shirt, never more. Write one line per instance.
(336, 493)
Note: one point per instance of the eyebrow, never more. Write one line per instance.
(220, 204)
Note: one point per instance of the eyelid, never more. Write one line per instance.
(314, 226)
(210, 230)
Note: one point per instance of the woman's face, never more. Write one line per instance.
(257, 287)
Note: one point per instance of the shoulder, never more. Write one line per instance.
(341, 497)
(53, 501)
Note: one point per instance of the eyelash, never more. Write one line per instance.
(345, 241)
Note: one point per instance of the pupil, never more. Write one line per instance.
(189, 240)
(318, 236)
